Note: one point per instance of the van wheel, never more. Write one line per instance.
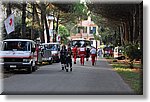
(34, 68)
(29, 69)
(123, 57)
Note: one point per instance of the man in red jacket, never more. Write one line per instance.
(74, 50)
(82, 54)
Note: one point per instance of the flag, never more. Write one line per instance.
(58, 38)
(9, 24)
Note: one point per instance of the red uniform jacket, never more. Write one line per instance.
(82, 51)
(74, 50)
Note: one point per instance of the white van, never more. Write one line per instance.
(118, 53)
(18, 54)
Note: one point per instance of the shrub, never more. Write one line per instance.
(133, 52)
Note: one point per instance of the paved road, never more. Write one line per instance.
(50, 79)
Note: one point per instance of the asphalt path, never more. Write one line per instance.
(50, 79)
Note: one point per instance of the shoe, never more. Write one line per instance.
(71, 69)
(66, 70)
(92, 64)
(62, 68)
(74, 62)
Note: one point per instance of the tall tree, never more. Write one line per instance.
(24, 20)
(33, 20)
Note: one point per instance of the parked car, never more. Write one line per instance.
(45, 54)
(18, 54)
(108, 51)
(55, 50)
(118, 53)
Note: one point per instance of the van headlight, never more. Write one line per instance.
(26, 60)
(1, 60)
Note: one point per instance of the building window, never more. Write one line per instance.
(82, 28)
(92, 30)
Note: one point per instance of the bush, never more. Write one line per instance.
(133, 52)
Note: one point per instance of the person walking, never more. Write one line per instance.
(69, 59)
(87, 54)
(100, 53)
(82, 54)
(74, 50)
(93, 55)
(63, 57)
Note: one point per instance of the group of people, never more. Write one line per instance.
(65, 58)
(66, 55)
(84, 52)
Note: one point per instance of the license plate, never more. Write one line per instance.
(12, 66)
(44, 58)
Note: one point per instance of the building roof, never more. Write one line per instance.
(86, 23)
(18, 40)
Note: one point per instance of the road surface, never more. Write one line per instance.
(50, 79)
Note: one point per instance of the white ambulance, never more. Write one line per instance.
(18, 54)
(118, 53)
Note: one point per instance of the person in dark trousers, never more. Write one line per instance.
(87, 54)
(74, 50)
(69, 59)
(63, 57)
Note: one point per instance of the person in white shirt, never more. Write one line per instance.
(93, 55)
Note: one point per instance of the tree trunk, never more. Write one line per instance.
(42, 25)
(137, 25)
(33, 21)
(141, 30)
(24, 20)
(47, 28)
(54, 27)
(57, 23)
(37, 19)
(119, 31)
(131, 28)
(134, 22)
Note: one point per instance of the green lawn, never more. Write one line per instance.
(133, 77)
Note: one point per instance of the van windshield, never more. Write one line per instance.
(53, 47)
(16, 46)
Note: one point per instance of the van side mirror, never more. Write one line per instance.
(33, 49)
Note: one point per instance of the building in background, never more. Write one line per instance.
(87, 29)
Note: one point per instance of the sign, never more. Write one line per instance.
(9, 24)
